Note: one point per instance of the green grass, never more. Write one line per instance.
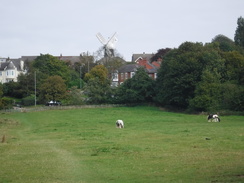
(83, 145)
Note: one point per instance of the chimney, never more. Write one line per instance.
(21, 65)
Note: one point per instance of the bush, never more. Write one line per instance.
(27, 101)
(6, 103)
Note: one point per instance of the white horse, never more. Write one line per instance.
(120, 124)
(213, 118)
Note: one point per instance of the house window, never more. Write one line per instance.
(115, 75)
(132, 74)
(122, 76)
(0, 73)
(126, 75)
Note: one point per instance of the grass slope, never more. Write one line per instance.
(83, 145)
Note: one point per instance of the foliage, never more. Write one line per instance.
(194, 76)
(86, 63)
(179, 73)
(12, 89)
(1, 90)
(234, 67)
(138, 89)
(6, 102)
(207, 93)
(160, 54)
(98, 92)
(112, 64)
(75, 96)
(75, 80)
(26, 84)
(232, 97)
(99, 72)
(53, 88)
(28, 101)
(49, 65)
(225, 43)
(98, 87)
(239, 34)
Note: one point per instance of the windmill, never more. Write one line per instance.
(108, 45)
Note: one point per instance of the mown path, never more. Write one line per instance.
(46, 158)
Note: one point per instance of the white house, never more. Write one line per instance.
(11, 69)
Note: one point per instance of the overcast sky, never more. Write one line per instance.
(69, 27)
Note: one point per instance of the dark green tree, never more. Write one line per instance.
(232, 96)
(239, 34)
(182, 70)
(234, 67)
(53, 88)
(1, 90)
(138, 89)
(207, 92)
(98, 92)
(11, 89)
(225, 43)
(160, 54)
(98, 87)
(49, 65)
(1, 94)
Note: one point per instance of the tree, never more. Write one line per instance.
(239, 34)
(1, 94)
(207, 93)
(49, 65)
(99, 71)
(98, 85)
(1, 90)
(234, 67)
(11, 89)
(53, 88)
(160, 54)
(181, 71)
(112, 64)
(75, 96)
(86, 63)
(138, 89)
(98, 92)
(225, 43)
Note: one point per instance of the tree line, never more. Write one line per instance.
(194, 77)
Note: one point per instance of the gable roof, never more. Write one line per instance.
(149, 67)
(11, 64)
(128, 68)
(142, 56)
(72, 59)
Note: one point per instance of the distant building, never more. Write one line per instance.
(143, 56)
(11, 69)
(138, 60)
(71, 59)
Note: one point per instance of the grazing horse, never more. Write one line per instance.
(119, 124)
(213, 118)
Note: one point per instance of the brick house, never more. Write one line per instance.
(139, 60)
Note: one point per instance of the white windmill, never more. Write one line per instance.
(108, 44)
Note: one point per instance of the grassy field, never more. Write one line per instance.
(83, 145)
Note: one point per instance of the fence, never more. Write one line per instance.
(45, 108)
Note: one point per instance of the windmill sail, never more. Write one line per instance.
(101, 38)
(109, 45)
(112, 41)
